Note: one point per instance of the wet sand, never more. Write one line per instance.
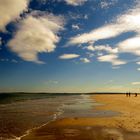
(126, 126)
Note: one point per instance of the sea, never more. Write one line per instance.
(22, 112)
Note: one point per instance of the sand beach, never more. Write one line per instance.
(125, 126)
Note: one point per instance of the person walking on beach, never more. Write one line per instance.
(129, 94)
(136, 94)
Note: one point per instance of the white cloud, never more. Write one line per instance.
(85, 16)
(101, 48)
(118, 26)
(104, 32)
(112, 58)
(138, 69)
(138, 63)
(107, 4)
(75, 2)
(69, 56)
(131, 18)
(106, 48)
(131, 45)
(135, 83)
(36, 35)
(85, 60)
(75, 26)
(90, 48)
(104, 4)
(10, 10)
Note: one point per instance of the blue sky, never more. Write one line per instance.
(70, 45)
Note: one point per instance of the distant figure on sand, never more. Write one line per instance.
(128, 94)
(136, 94)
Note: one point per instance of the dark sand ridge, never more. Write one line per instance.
(123, 127)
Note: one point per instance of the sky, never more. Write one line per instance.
(69, 46)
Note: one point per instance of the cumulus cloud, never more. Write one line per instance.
(131, 18)
(85, 60)
(106, 48)
(131, 45)
(75, 2)
(36, 34)
(116, 27)
(90, 48)
(69, 56)
(112, 58)
(135, 83)
(138, 63)
(10, 10)
(138, 69)
(104, 32)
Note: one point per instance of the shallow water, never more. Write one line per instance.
(22, 112)
(49, 132)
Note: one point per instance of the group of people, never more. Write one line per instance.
(128, 94)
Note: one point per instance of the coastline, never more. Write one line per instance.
(126, 124)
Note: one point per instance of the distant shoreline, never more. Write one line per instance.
(94, 93)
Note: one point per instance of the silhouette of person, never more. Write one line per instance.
(129, 94)
(136, 94)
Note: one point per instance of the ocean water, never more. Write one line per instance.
(21, 112)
